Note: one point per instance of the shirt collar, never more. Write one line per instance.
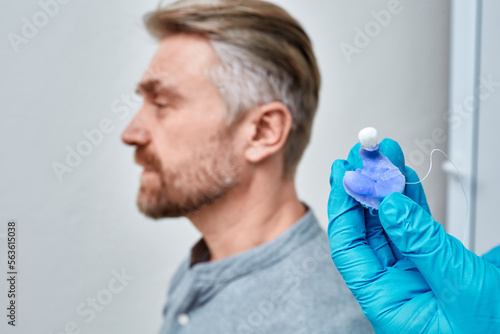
(306, 228)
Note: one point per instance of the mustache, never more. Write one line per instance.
(146, 159)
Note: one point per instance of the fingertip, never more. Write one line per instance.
(415, 191)
(338, 166)
(410, 227)
(392, 210)
(411, 175)
(339, 199)
(391, 202)
(391, 144)
(354, 158)
(391, 149)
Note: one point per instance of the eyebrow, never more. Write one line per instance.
(146, 86)
(152, 86)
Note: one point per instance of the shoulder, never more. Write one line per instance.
(316, 286)
(179, 274)
(304, 290)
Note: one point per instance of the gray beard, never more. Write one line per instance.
(200, 182)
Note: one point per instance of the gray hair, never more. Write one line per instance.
(265, 56)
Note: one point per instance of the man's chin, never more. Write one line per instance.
(154, 209)
(159, 202)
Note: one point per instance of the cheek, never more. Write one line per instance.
(181, 140)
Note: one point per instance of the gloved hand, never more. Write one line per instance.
(493, 256)
(406, 272)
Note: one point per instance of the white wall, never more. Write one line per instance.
(487, 231)
(474, 101)
(462, 126)
(398, 84)
(89, 55)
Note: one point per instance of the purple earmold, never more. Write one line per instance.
(377, 179)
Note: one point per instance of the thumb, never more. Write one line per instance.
(463, 283)
(441, 259)
(411, 228)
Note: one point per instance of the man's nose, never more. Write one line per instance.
(136, 133)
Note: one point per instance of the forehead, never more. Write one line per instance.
(181, 57)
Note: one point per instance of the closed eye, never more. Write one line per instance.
(160, 105)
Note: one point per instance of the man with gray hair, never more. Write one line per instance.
(229, 100)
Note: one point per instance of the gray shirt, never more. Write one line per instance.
(287, 285)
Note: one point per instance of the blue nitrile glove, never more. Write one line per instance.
(493, 256)
(412, 277)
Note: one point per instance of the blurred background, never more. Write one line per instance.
(422, 72)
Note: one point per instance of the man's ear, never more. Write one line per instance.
(269, 125)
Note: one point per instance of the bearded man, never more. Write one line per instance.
(229, 100)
